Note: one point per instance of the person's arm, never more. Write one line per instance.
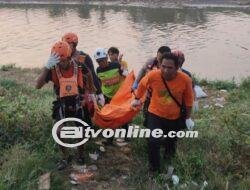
(140, 91)
(89, 63)
(142, 73)
(124, 68)
(43, 78)
(142, 87)
(189, 99)
(100, 97)
(188, 96)
(90, 83)
(188, 111)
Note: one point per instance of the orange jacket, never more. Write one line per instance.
(161, 103)
(67, 74)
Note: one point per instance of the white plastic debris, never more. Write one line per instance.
(80, 168)
(170, 171)
(206, 106)
(205, 183)
(219, 105)
(175, 179)
(124, 177)
(120, 140)
(102, 149)
(222, 99)
(94, 156)
(98, 142)
(223, 90)
(92, 167)
(199, 92)
(121, 143)
(73, 182)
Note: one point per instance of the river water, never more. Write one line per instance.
(215, 40)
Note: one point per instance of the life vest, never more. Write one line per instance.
(68, 86)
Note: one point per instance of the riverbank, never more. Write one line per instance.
(219, 156)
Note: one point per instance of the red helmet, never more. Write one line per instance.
(70, 38)
(180, 55)
(62, 49)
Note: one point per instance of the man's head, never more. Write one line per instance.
(169, 65)
(101, 57)
(181, 57)
(72, 39)
(161, 51)
(62, 49)
(113, 53)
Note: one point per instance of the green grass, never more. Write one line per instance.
(7, 67)
(218, 156)
(216, 84)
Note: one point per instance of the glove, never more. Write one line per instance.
(135, 102)
(135, 85)
(100, 99)
(53, 60)
(190, 124)
(125, 72)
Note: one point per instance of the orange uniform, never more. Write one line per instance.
(161, 103)
(67, 74)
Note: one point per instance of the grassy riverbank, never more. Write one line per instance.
(219, 156)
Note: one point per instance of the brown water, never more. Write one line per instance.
(216, 41)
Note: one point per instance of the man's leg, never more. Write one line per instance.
(86, 116)
(80, 149)
(145, 111)
(154, 122)
(170, 143)
(58, 114)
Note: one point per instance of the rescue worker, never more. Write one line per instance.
(92, 84)
(67, 78)
(171, 89)
(110, 74)
(181, 60)
(115, 56)
(151, 64)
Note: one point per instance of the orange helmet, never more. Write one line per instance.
(70, 38)
(62, 49)
(180, 55)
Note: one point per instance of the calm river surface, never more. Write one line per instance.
(215, 40)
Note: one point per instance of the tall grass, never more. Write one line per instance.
(219, 156)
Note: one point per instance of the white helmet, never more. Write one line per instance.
(100, 53)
